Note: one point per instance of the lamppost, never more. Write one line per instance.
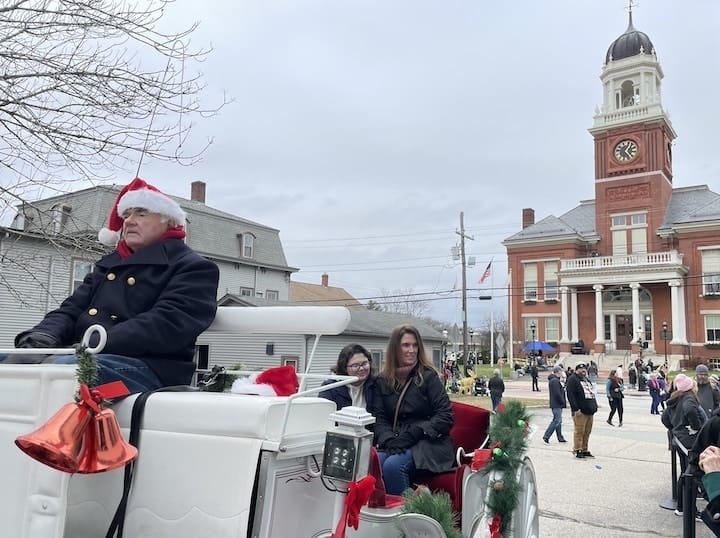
(471, 354)
(665, 339)
(444, 346)
(533, 327)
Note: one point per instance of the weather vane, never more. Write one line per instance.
(631, 4)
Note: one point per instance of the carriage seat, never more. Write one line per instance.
(469, 432)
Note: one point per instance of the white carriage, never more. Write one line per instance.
(217, 464)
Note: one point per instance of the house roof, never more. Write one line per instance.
(306, 293)
(688, 205)
(363, 322)
(211, 232)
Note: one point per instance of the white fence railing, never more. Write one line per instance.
(628, 260)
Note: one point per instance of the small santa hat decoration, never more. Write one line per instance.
(278, 381)
(138, 193)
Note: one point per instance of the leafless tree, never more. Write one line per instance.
(87, 86)
(404, 301)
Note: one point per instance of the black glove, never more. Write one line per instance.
(37, 340)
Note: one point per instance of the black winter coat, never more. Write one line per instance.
(153, 304)
(683, 418)
(496, 385)
(557, 393)
(580, 397)
(425, 405)
(341, 395)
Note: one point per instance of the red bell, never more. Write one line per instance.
(105, 446)
(59, 442)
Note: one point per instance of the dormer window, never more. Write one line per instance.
(247, 245)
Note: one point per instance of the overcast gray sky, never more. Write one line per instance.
(362, 128)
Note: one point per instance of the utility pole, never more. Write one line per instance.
(462, 235)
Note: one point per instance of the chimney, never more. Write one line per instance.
(324, 281)
(528, 217)
(197, 191)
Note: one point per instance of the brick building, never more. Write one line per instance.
(639, 265)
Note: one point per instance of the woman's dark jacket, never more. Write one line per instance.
(496, 385)
(683, 418)
(153, 304)
(616, 389)
(557, 393)
(425, 409)
(341, 395)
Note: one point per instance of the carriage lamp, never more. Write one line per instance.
(347, 444)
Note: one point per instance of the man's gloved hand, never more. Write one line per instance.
(37, 340)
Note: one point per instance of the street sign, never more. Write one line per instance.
(499, 342)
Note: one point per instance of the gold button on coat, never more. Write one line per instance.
(131, 281)
(111, 276)
(92, 311)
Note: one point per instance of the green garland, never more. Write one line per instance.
(86, 371)
(435, 505)
(508, 435)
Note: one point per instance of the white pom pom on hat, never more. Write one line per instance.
(278, 381)
(138, 193)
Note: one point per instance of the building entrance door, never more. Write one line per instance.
(623, 331)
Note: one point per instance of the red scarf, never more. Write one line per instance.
(178, 232)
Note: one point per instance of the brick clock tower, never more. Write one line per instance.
(633, 148)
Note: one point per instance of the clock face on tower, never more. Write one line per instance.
(625, 150)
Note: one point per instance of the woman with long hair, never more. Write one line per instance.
(684, 419)
(412, 412)
(354, 360)
(615, 388)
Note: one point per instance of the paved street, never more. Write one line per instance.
(617, 493)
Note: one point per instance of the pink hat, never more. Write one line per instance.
(683, 383)
(141, 194)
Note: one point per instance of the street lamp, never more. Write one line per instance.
(665, 338)
(444, 346)
(532, 329)
(472, 344)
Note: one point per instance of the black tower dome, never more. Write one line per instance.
(631, 43)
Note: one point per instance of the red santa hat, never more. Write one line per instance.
(278, 381)
(138, 193)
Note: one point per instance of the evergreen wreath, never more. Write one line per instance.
(508, 435)
(435, 505)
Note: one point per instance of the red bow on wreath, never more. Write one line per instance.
(358, 495)
(495, 525)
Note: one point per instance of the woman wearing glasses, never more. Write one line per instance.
(412, 412)
(353, 360)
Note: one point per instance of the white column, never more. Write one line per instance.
(564, 319)
(613, 332)
(636, 320)
(574, 315)
(599, 325)
(683, 319)
(677, 326)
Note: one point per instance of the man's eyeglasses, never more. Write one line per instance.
(355, 367)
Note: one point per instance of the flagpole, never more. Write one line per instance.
(492, 318)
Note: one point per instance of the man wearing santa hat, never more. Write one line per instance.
(153, 294)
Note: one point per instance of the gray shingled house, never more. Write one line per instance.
(52, 243)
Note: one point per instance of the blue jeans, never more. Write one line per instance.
(398, 470)
(137, 376)
(555, 424)
(495, 399)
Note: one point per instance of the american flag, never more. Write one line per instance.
(486, 273)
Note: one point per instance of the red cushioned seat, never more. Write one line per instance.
(469, 432)
(380, 498)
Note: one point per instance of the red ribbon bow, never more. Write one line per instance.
(358, 495)
(94, 397)
(495, 525)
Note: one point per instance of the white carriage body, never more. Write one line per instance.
(210, 464)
